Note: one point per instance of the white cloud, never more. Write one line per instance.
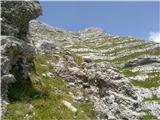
(154, 36)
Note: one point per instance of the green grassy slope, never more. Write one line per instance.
(46, 95)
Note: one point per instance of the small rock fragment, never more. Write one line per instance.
(70, 106)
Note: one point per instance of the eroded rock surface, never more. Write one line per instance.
(96, 48)
(16, 17)
(142, 61)
(111, 94)
(118, 92)
(17, 52)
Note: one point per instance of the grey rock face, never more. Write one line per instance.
(16, 16)
(87, 59)
(91, 32)
(16, 51)
(45, 46)
(41, 31)
(142, 61)
(16, 59)
(111, 94)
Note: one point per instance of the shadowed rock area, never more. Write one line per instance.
(17, 52)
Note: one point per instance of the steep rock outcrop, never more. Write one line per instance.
(110, 92)
(16, 16)
(45, 46)
(16, 51)
(39, 31)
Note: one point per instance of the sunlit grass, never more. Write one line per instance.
(46, 95)
(155, 51)
(129, 73)
(149, 83)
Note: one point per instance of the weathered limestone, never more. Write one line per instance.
(16, 51)
(111, 96)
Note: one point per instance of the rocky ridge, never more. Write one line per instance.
(41, 31)
(112, 96)
(119, 76)
(137, 62)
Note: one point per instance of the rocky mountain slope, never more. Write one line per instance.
(135, 74)
(58, 74)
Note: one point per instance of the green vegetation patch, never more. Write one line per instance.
(155, 51)
(149, 117)
(129, 73)
(153, 98)
(129, 48)
(149, 83)
(99, 60)
(42, 100)
(78, 59)
(44, 62)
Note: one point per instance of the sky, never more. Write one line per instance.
(137, 19)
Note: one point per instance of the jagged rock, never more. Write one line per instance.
(12, 45)
(8, 79)
(16, 16)
(87, 59)
(16, 51)
(142, 61)
(5, 81)
(41, 31)
(111, 96)
(45, 46)
(16, 57)
(71, 84)
(86, 85)
(78, 98)
(91, 32)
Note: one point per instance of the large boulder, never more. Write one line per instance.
(112, 95)
(16, 51)
(16, 57)
(45, 46)
(87, 59)
(16, 16)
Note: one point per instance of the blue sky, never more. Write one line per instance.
(137, 19)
